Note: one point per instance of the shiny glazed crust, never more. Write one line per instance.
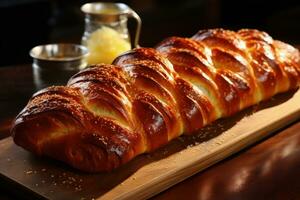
(108, 114)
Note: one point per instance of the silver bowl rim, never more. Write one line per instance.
(84, 53)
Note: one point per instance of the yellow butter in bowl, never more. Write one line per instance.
(105, 44)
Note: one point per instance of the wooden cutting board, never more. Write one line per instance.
(152, 173)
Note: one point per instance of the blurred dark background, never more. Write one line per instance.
(27, 23)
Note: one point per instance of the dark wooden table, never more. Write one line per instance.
(270, 169)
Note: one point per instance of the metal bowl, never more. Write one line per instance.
(54, 64)
(59, 56)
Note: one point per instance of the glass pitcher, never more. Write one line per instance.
(106, 33)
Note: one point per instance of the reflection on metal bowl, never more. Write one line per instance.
(54, 64)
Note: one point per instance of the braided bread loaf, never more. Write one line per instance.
(108, 114)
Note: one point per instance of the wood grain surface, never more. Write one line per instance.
(268, 170)
(152, 173)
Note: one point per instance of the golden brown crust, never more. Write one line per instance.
(108, 114)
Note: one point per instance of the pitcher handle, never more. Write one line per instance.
(134, 15)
